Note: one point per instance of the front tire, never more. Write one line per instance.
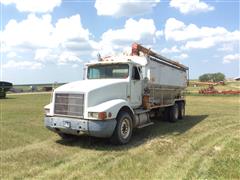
(123, 130)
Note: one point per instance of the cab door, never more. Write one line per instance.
(136, 87)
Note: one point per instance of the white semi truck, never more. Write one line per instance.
(118, 94)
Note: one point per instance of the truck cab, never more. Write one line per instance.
(120, 71)
(108, 103)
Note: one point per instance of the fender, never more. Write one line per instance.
(112, 106)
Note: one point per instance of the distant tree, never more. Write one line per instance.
(205, 77)
(214, 77)
(218, 77)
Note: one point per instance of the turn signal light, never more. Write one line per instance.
(46, 111)
(102, 115)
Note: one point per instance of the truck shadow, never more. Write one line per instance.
(140, 136)
(8, 98)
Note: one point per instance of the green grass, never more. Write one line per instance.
(205, 145)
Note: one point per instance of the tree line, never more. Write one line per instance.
(212, 77)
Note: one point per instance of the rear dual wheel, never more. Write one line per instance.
(175, 112)
(181, 110)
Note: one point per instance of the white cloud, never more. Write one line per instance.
(198, 37)
(28, 33)
(45, 55)
(70, 29)
(173, 49)
(143, 31)
(188, 6)
(75, 66)
(200, 44)
(231, 57)
(159, 33)
(47, 41)
(181, 56)
(41, 6)
(67, 56)
(226, 47)
(12, 64)
(11, 55)
(67, 41)
(124, 8)
(40, 32)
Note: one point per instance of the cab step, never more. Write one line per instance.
(141, 111)
(145, 125)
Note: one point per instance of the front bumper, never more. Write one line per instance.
(97, 128)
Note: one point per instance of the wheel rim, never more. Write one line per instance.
(125, 128)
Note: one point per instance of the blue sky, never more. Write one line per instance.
(47, 41)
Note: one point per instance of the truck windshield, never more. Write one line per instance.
(108, 71)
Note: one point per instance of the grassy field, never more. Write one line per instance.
(204, 145)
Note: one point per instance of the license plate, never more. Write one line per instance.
(66, 124)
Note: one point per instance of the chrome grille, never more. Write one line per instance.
(69, 104)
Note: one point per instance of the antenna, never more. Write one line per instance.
(99, 57)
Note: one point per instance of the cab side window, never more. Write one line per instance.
(135, 74)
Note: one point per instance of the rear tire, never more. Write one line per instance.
(174, 113)
(166, 114)
(181, 111)
(123, 130)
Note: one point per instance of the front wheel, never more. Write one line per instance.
(123, 130)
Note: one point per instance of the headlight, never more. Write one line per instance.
(46, 111)
(98, 115)
(93, 114)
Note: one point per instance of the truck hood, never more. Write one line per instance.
(86, 86)
(97, 91)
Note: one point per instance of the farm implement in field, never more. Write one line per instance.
(212, 90)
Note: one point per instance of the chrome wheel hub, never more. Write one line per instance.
(125, 128)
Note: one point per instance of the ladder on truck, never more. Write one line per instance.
(137, 48)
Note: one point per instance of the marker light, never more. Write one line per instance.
(46, 111)
(102, 115)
